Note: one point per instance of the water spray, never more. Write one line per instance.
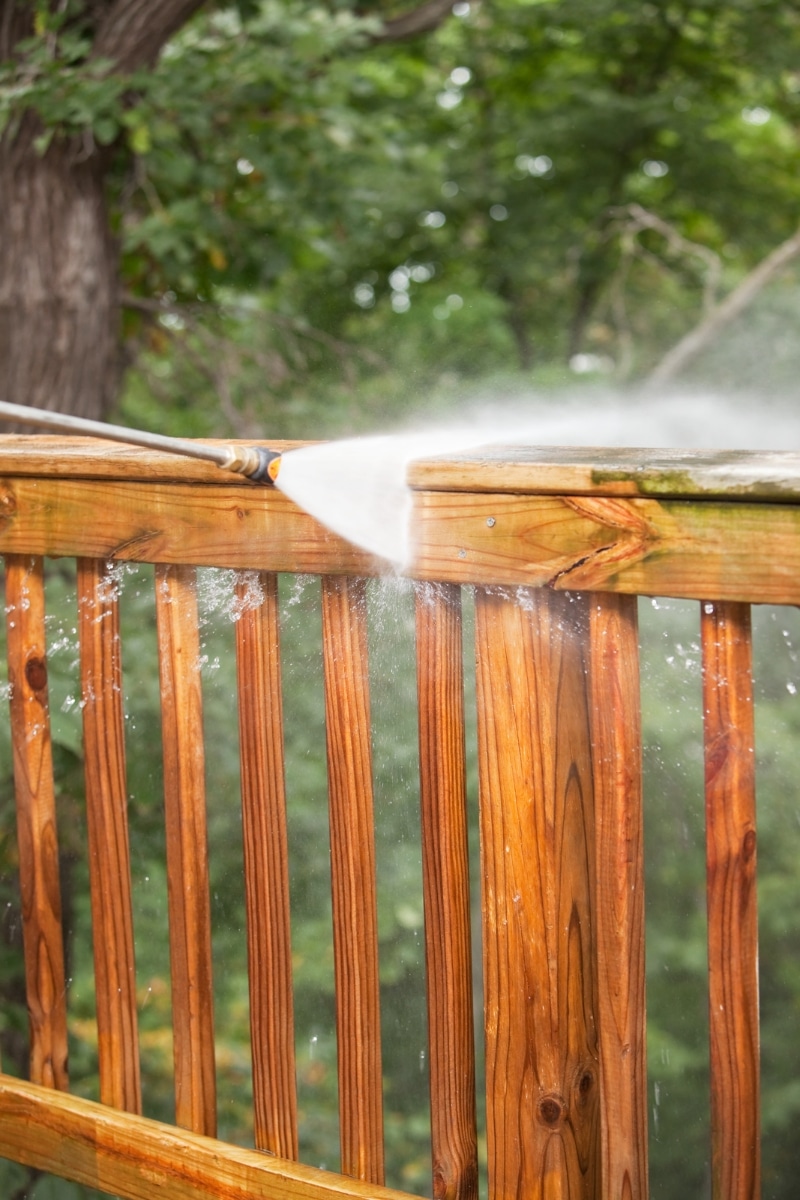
(258, 463)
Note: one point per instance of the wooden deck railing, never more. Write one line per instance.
(559, 544)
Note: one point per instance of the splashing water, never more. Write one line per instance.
(357, 487)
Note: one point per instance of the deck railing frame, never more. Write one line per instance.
(558, 545)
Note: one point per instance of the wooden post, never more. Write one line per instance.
(731, 890)
(538, 844)
(266, 870)
(355, 917)
(107, 828)
(619, 910)
(40, 894)
(187, 849)
(445, 873)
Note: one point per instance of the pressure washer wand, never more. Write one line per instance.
(256, 462)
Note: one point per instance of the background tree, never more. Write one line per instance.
(274, 189)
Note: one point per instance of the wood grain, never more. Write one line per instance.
(538, 847)
(266, 865)
(699, 549)
(187, 849)
(445, 873)
(243, 526)
(355, 922)
(696, 549)
(731, 891)
(107, 829)
(619, 907)
(37, 840)
(136, 1158)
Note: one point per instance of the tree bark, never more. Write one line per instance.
(59, 262)
(59, 288)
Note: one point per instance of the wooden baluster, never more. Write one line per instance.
(107, 825)
(537, 846)
(731, 891)
(187, 849)
(355, 926)
(445, 867)
(266, 862)
(619, 910)
(40, 892)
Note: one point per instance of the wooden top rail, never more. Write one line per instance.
(683, 524)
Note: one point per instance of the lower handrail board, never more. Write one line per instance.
(129, 1155)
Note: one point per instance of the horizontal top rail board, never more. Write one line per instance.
(711, 547)
(596, 471)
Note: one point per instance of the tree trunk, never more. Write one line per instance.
(59, 290)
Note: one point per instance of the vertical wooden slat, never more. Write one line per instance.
(107, 827)
(187, 850)
(445, 867)
(619, 911)
(40, 891)
(266, 863)
(537, 846)
(355, 926)
(731, 892)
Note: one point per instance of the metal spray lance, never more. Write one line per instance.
(258, 463)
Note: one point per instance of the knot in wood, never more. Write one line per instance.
(551, 1111)
(36, 674)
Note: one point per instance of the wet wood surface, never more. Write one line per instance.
(683, 548)
(37, 839)
(187, 849)
(136, 1158)
(352, 833)
(445, 870)
(731, 889)
(266, 864)
(641, 547)
(238, 525)
(619, 907)
(538, 846)
(107, 830)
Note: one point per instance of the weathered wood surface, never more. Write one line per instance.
(266, 865)
(136, 1158)
(619, 907)
(107, 830)
(541, 470)
(187, 849)
(596, 471)
(731, 890)
(697, 549)
(445, 872)
(538, 847)
(37, 841)
(355, 920)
